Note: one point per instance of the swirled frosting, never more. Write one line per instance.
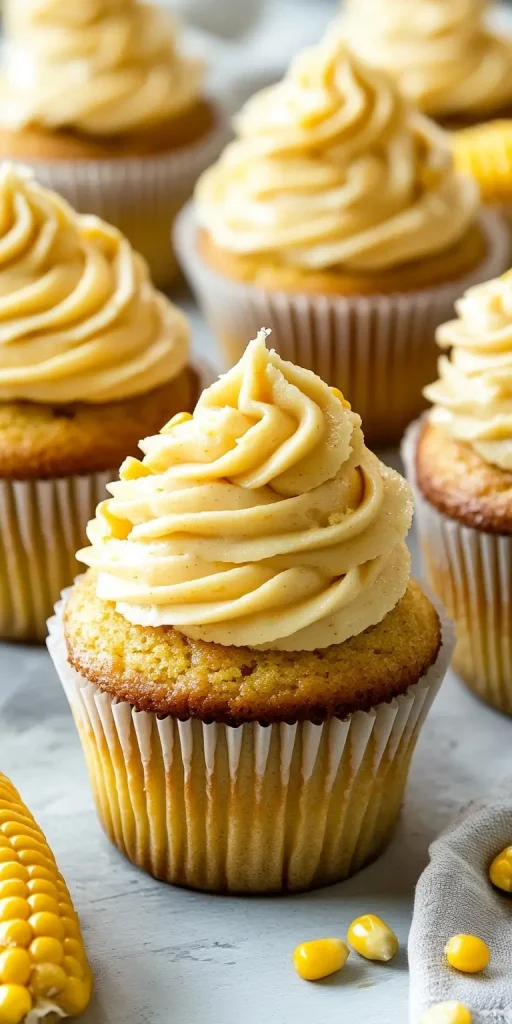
(473, 396)
(102, 67)
(331, 169)
(440, 51)
(262, 520)
(79, 318)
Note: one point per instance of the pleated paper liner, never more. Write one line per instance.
(256, 808)
(140, 195)
(379, 350)
(471, 571)
(41, 527)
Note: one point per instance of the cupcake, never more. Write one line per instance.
(337, 218)
(246, 658)
(448, 62)
(90, 356)
(96, 97)
(460, 460)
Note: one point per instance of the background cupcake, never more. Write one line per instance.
(247, 661)
(446, 60)
(91, 356)
(460, 459)
(98, 99)
(337, 218)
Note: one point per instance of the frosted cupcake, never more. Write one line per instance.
(247, 660)
(448, 62)
(98, 99)
(337, 217)
(460, 459)
(90, 356)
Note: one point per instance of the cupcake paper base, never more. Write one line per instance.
(470, 570)
(379, 350)
(41, 527)
(250, 809)
(140, 195)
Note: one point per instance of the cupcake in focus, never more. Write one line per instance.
(247, 660)
(447, 60)
(337, 218)
(90, 356)
(460, 460)
(97, 98)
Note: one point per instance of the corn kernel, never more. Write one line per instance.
(46, 950)
(467, 953)
(15, 1003)
(42, 956)
(15, 933)
(341, 397)
(319, 958)
(371, 938)
(447, 1013)
(48, 980)
(180, 417)
(500, 871)
(15, 967)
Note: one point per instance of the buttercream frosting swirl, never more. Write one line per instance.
(332, 169)
(473, 396)
(440, 51)
(80, 320)
(262, 520)
(102, 67)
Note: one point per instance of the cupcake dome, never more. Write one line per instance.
(100, 67)
(461, 461)
(442, 54)
(332, 171)
(247, 650)
(337, 218)
(90, 355)
(108, 112)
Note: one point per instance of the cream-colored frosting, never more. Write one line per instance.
(473, 396)
(79, 317)
(101, 67)
(332, 169)
(262, 520)
(440, 51)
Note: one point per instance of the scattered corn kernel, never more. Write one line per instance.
(341, 397)
(447, 1013)
(500, 871)
(319, 958)
(42, 956)
(467, 953)
(371, 938)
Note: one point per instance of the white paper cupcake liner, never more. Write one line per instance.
(471, 572)
(140, 195)
(379, 350)
(42, 525)
(255, 808)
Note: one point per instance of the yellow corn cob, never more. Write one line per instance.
(43, 964)
(485, 153)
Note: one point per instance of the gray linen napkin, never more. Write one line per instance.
(455, 896)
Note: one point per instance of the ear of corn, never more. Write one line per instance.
(43, 964)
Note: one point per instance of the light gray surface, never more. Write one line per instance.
(168, 956)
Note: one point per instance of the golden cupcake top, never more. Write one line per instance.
(441, 52)
(331, 168)
(473, 396)
(262, 520)
(80, 320)
(102, 67)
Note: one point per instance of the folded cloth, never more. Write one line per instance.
(454, 896)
